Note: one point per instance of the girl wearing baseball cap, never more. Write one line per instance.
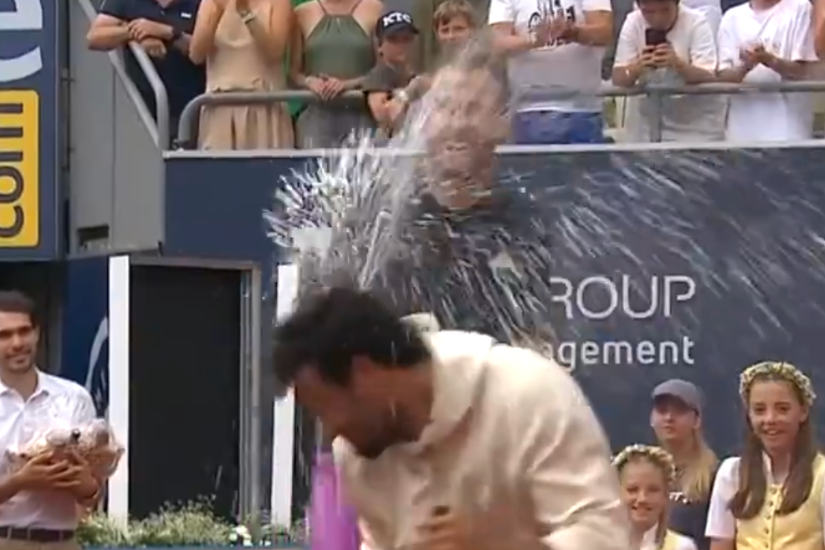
(676, 418)
(772, 496)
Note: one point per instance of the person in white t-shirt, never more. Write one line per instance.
(664, 40)
(767, 41)
(555, 46)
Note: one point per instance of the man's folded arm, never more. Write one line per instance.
(574, 486)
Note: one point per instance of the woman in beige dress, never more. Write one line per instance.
(243, 44)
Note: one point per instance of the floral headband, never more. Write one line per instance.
(657, 455)
(776, 369)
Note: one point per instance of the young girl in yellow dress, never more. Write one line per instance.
(771, 496)
(647, 475)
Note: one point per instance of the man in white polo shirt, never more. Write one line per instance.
(39, 504)
(555, 47)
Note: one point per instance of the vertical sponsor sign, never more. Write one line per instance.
(29, 130)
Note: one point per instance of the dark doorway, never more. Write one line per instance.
(185, 387)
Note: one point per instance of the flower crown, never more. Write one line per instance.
(657, 455)
(777, 369)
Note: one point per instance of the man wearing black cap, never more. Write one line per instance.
(391, 84)
(677, 420)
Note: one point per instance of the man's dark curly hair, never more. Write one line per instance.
(332, 326)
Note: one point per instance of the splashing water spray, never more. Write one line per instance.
(346, 217)
(637, 214)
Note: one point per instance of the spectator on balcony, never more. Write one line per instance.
(454, 22)
(664, 42)
(430, 15)
(332, 51)
(768, 41)
(389, 87)
(554, 46)
(711, 9)
(242, 43)
(163, 28)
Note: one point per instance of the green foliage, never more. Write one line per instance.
(189, 524)
(100, 530)
(192, 524)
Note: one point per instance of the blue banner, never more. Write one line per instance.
(688, 264)
(85, 327)
(29, 130)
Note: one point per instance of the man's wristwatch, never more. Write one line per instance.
(176, 35)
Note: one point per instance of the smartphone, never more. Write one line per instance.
(654, 37)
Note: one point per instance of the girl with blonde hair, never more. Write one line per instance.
(646, 475)
(676, 418)
(771, 496)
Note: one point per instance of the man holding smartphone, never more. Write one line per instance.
(664, 42)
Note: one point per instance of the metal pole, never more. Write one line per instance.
(158, 88)
(657, 104)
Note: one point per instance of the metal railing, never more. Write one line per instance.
(188, 125)
(159, 90)
(159, 128)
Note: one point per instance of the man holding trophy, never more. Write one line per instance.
(54, 454)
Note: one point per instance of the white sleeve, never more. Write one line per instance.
(685, 543)
(85, 411)
(628, 47)
(501, 11)
(802, 35)
(596, 5)
(703, 52)
(721, 523)
(728, 47)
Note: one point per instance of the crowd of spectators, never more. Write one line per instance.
(366, 62)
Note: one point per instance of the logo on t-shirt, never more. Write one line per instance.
(547, 10)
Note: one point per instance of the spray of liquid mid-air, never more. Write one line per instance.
(620, 213)
(737, 225)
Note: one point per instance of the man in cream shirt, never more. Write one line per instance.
(449, 439)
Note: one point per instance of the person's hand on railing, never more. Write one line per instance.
(319, 86)
(154, 47)
(141, 29)
(335, 86)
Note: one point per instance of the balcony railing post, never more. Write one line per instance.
(657, 106)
